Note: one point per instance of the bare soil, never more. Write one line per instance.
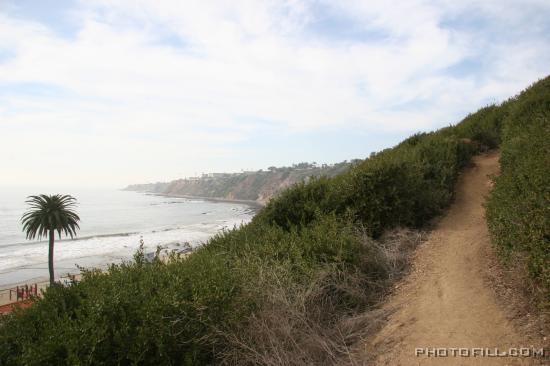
(454, 295)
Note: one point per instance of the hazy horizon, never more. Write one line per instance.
(106, 94)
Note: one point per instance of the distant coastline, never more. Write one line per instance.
(254, 188)
(254, 205)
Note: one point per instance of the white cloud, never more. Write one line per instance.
(123, 84)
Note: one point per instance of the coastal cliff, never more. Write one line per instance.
(259, 186)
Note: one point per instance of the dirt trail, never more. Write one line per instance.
(447, 300)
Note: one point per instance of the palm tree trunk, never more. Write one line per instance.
(50, 257)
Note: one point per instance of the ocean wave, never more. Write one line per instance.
(113, 224)
(119, 245)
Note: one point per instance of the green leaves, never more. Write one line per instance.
(403, 186)
(518, 209)
(47, 213)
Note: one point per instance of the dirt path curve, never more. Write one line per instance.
(447, 301)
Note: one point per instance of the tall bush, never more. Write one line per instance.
(518, 210)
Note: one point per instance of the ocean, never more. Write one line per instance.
(112, 224)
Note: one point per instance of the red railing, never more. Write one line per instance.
(24, 292)
(24, 295)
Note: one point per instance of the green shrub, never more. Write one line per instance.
(484, 126)
(174, 313)
(299, 205)
(518, 210)
(403, 186)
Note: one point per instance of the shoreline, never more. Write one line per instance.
(255, 205)
(37, 272)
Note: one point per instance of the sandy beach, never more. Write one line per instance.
(5, 292)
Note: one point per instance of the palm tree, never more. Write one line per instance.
(48, 214)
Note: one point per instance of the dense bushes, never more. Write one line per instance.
(403, 186)
(175, 313)
(284, 286)
(484, 126)
(316, 321)
(518, 210)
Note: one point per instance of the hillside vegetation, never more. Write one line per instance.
(259, 186)
(290, 287)
(518, 210)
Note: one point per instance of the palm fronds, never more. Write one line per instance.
(55, 212)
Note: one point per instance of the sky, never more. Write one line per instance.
(108, 93)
